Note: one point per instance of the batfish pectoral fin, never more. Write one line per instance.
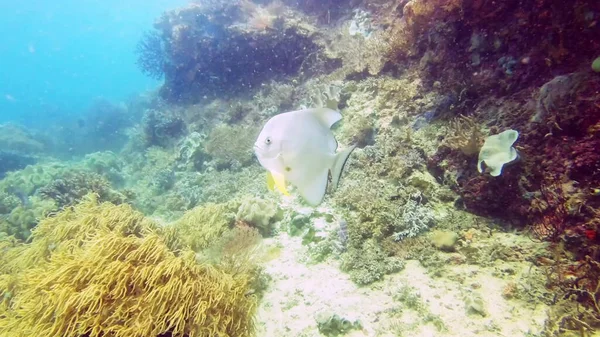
(275, 179)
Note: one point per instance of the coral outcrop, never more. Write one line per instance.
(222, 48)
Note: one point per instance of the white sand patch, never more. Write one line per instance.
(298, 291)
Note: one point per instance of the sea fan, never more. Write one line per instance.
(151, 55)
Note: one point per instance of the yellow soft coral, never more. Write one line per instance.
(105, 270)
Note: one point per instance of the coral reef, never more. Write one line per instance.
(222, 48)
(161, 128)
(29, 194)
(104, 270)
(552, 186)
(202, 225)
(71, 187)
(16, 138)
(421, 85)
(102, 127)
(8, 202)
(107, 164)
(369, 263)
(21, 219)
(231, 146)
(191, 152)
(11, 161)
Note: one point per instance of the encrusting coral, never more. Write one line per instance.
(105, 270)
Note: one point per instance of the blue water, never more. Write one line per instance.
(58, 55)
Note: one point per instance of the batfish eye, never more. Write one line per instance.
(268, 140)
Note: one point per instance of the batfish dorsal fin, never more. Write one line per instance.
(327, 116)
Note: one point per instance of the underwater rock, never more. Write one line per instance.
(104, 127)
(331, 325)
(423, 181)
(11, 161)
(17, 139)
(475, 305)
(444, 240)
(107, 164)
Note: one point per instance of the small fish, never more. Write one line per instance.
(299, 147)
(343, 231)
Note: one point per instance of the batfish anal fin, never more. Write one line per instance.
(313, 190)
(275, 179)
(270, 181)
(338, 166)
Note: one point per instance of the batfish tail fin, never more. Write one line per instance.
(338, 166)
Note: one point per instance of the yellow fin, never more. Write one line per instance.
(276, 180)
(270, 181)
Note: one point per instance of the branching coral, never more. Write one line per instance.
(416, 218)
(72, 186)
(105, 270)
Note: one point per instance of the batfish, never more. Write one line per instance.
(298, 147)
